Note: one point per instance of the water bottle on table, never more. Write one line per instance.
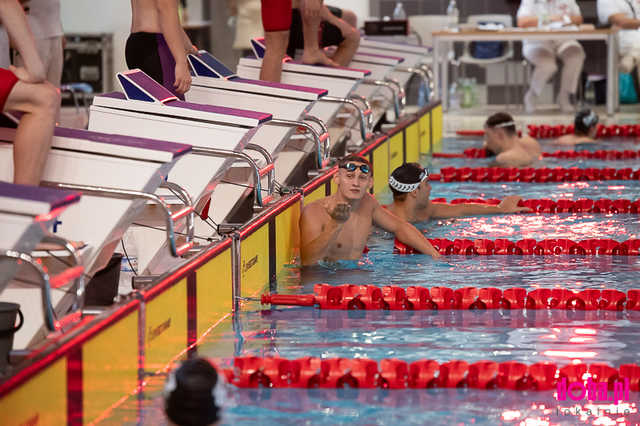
(398, 13)
(454, 14)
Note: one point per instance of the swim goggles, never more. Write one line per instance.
(591, 119)
(351, 167)
(408, 187)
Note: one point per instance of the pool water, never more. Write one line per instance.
(554, 191)
(451, 145)
(526, 336)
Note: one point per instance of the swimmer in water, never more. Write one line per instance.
(501, 138)
(585, 129)
(410, 186)
(337, 227)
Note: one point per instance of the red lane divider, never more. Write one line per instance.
(529, 174)
(596, 155)
(614, 130)
(527, 246)
(583, 205)
(546, 131)
(311, 372)
(414, 298)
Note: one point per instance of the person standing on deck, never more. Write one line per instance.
(158, 45)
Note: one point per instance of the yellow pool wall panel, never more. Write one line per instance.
(166, 326)
(436, 127)
(396, 152)
(110, 366)
(254, 262)
(412, 142)
(314, 195)
(380, 160)
(214, 288)
(42, 400)
(287, 237)
(425, 133)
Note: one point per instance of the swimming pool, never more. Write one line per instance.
(527, 336)
(451, 145)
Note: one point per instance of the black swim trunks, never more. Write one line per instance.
(331, 35)
(150, 53)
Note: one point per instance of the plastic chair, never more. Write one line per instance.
(467, 58)
(424, 25)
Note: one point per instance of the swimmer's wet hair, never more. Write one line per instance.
(502, 120)
(189, 394)
(408, 173)
(584, 120)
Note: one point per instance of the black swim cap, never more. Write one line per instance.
(407, 178)
(189, 394)
(584, 120)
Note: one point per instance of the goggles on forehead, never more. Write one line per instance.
(351, 167)
(408, 187)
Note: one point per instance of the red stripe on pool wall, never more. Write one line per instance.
(74, 387)
(192, 311)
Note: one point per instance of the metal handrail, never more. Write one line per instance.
(184, 196)
(364, 129)
(226, 153)
(326, 143)
(389, 85)
(128, 194)
(271, 174)
(319, 139)
(80, 285)
(401, 93)
(429, 72)
(367, 106)
(47, 307)
(429, 83)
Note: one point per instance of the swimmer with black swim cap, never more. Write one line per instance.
(585, 129)
(337, 227)
(410, 186)
(193, 394)
(501, 138)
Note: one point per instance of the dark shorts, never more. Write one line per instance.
(276, 15)
(7, 81)
(150, 53)
(330, 34)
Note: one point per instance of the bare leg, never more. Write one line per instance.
(313, 54)
(350, 18)
(276, 42)
(40, 103)
(346, 49)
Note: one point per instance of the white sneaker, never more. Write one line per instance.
(530, 100)
(565, 103)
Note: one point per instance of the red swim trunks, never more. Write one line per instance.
(7, 81)
(276, 15)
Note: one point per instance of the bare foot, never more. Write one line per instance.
(317, 57)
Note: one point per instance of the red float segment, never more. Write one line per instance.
(539, 175)
(309, 372)
(545, 131)
(370, 297)
(601, 154)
